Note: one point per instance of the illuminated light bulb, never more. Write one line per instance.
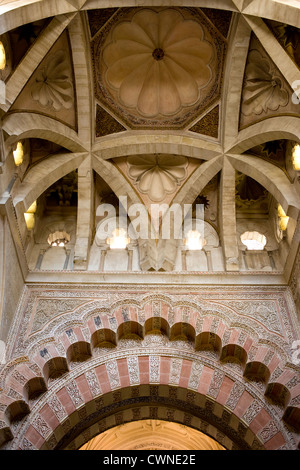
(254, 240)
(283, 218)
(19, 154)
(194, 241)
(32, 208)
(30, 220)
(2, 57)
(119, 239)
(296, 157)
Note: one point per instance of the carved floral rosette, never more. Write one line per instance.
(158, 66)
(53, 85)
(157, 175)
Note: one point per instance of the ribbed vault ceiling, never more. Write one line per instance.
(210, 85)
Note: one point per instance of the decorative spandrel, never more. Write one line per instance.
(157, 67)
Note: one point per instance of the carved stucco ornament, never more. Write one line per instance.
(158, 62)
(157, 175)
(53, 85)
(264, 90)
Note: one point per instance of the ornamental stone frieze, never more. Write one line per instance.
(237, 337)
(267, 314)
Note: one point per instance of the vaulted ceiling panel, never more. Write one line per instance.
(50, 90)
(158, 67)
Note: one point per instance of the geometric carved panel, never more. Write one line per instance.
(209, 124)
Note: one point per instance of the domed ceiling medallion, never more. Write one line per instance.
(157, 67)
(157, 175)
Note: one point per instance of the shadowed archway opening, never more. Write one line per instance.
(152, 434)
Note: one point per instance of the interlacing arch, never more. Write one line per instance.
(89, 154)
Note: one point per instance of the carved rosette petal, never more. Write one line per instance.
(158, 62)
(53, 85)
(263, 89)
(157, 175)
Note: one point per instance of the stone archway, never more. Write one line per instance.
(192, 363)
(51, 428)
(152, 434)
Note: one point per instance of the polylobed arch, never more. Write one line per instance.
(209, 341)
(292, 417)
(130, 329)
(82, 387)
(257, 371)
(71, 383)
(278, 393)
(182, 330)
(13, 16)
(97, 361)
(157, 325)
(34, 388)
(79, 351)
(233, 353)
(158, 313)
(17, 410)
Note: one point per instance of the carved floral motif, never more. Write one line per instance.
(53, 86)
(264, 90)
(158, 62)
(157, 175)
